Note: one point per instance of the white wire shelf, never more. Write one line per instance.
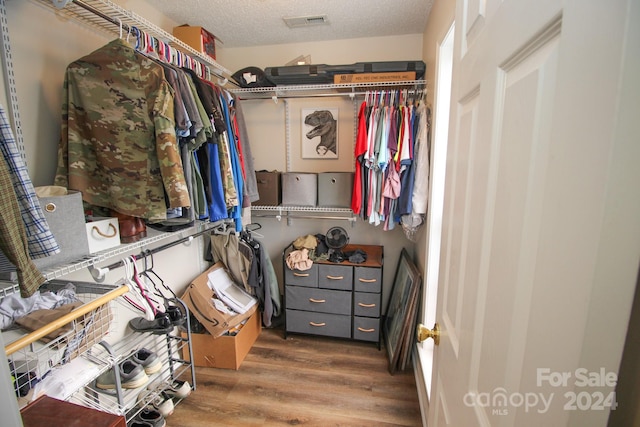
(344, 89)
(106, 16)
(301, 209)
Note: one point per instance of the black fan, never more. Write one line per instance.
(336, 239)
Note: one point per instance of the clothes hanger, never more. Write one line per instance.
(126, 281)
(153, 304)
(252, 227)
(138, 300)
(172, 305)
(148, 263)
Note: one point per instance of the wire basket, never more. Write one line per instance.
(43, 342)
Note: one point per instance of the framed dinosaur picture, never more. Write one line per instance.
(319, 133)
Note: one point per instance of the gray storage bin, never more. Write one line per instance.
(65, 216)
(334, 189)
(299, 189)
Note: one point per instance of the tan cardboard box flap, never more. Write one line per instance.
(198, 298)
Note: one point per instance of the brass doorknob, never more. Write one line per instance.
(424, 333)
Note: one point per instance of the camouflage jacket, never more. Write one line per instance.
(118, 142)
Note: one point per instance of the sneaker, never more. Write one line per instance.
(163, 404)
(148, 359)
(150, 417)
(161, 324)
(178, 389)
(132, 375)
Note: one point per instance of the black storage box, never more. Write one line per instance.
(323, 74)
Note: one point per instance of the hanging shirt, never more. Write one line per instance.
(13, 240)
(422, 151)
(40, 239)
(360, 150)
(118, 143)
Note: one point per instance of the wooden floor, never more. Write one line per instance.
(305, 381)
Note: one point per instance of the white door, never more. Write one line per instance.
(540, 238)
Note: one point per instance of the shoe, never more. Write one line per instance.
(163, 404)
(150, 417)
(178, 389)
(176, 315)
(148, 359)
(160, 325)
(138, 423)
(23, 382)
(131, 228)
(132, 375)
(141, 227)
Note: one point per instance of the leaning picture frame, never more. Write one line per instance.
(398, 316)
(319, 133)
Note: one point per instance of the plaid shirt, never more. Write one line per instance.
(13, 238)
(40, 239)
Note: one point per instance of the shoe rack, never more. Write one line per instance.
(71, 375)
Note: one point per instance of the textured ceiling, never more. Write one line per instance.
(241, 23)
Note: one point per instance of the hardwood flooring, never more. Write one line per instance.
(305, 381)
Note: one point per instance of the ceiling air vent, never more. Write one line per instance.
(305, 21)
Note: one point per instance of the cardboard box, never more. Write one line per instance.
(198, 38)
(198, 297)
(374, 77)
(226, 351)
(102, 234)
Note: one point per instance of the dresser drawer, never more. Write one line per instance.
(366, 329)
(319, 300)
(333, 325)
(335, 277)
(366, 304)
(302, 277)
(367, 279)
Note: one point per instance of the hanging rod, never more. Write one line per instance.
(99, 273)
(317, 95)
(352, 219)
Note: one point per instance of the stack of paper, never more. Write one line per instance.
(231, 294)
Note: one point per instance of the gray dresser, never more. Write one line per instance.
(337, 300)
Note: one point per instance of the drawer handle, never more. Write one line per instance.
(366, 305)
(317, 300)
(368, 280)
(366, 330)
(317, 324)
(335, 277)
(301, 274)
